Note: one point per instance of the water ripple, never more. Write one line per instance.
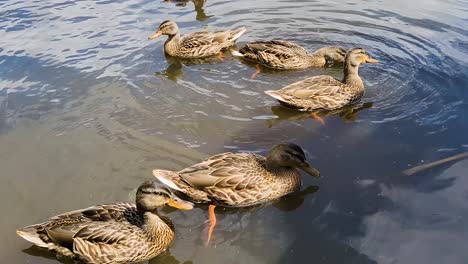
(423, 51)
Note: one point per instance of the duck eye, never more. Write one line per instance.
(295, 156)
(160, 193)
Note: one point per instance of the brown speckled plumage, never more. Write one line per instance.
(109, 233)
(280, 54)
(241, 179)
(325, 92)
(197, 44)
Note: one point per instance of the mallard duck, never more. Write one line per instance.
(197, 44)
(325, 92)
(280, 54)
(240, 179)
(111, 233)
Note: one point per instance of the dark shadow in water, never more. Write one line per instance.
(233, 233)
(172, 72)
(166, 258)
(322, 250)
(201, 15)
(44, 253)
(289, 202)
(294, 200)
(347, 114)
(175, 66)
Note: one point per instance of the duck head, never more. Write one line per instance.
(333, 54)
(291, 156)
(168, 28)
(152, 194)
(357, 56)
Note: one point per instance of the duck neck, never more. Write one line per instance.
(276, 169)
(287, 177)
(154, 226)
(172, 44)
(351, 75)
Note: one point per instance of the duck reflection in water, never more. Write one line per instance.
(347, 114)
(245, 217)
(175, 68)
(164, 258)
(199, 4)
(43, 253)
(168, 258)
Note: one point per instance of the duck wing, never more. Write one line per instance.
(57, 233)
(322, 85)
(318, 92)
(105, 212)
(226, 170)
(207, 43)
(109, 242)
(275, 53)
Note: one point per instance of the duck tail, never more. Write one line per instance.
(30, 234)
(236, 33)
(236, 53)
(275, 94)
(168, 178)
(174, 181)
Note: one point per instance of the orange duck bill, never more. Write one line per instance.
(155, 34)
(178, 203)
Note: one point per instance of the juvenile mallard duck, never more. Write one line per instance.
(240, 179)
(325, 92)
(197, 44)
(111, 233)
(280, 54)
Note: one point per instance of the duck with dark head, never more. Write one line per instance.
(240, 179)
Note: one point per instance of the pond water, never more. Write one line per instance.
(89, 106)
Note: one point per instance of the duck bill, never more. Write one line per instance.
(371, 60)
(178, 203)
(310, 170)
(155, 35)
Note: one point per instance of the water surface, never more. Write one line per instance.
(88, 106)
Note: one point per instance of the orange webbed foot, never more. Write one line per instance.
(212, 219)
(258, 70)
(318, 118)
(221, 56)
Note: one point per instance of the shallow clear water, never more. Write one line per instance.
(88, 106)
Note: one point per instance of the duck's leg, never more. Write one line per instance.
(258, 70)
(220, 55)
(318, 118)
(212, 219)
